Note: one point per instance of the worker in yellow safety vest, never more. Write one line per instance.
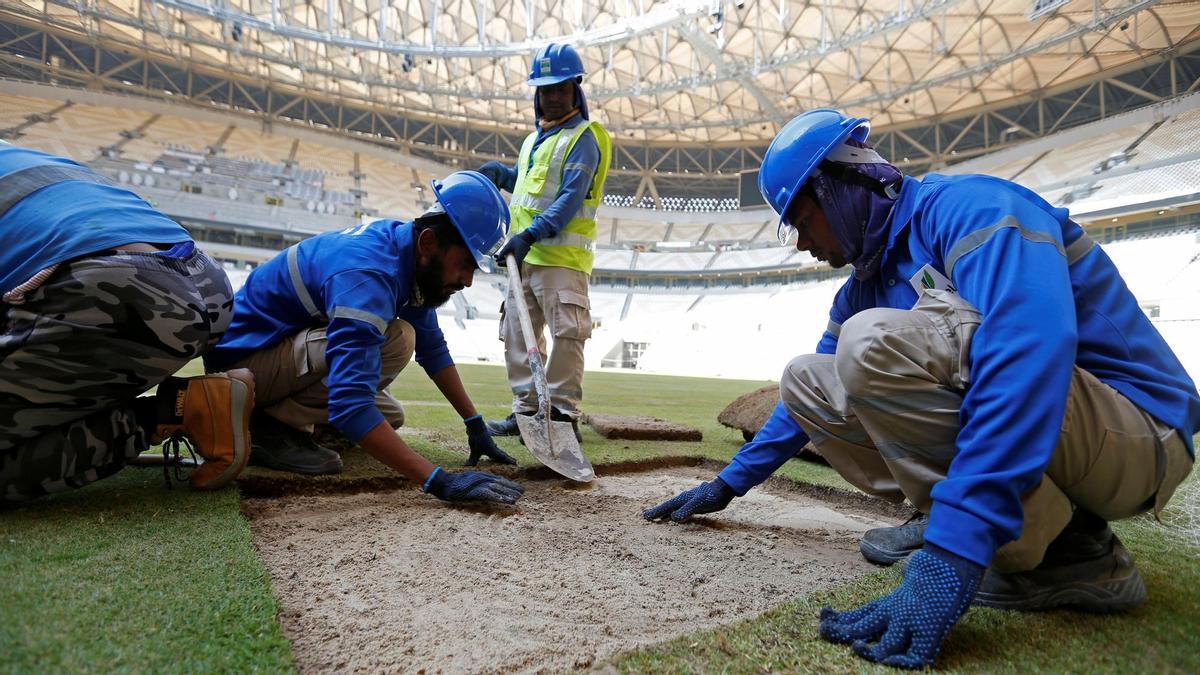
(556, 186)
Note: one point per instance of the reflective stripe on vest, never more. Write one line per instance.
(570, 239)
(538, 185)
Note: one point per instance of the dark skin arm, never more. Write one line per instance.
(383, 444)
(450, 384)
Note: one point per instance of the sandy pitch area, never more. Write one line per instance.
(398, 581)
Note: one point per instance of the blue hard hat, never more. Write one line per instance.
(799, 148)
(477, 210)
(555, 63)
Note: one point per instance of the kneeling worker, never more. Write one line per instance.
(328, 324)
(103, 299)
(986, 362)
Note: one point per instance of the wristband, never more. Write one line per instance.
(436, 471)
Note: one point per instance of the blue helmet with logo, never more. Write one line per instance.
(477, 210)
(555, 63)
(799, 148)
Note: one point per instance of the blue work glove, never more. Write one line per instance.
(472, 486)
(704, 498)
(518, 245)
(908, 626)
(494, 171)
(481, 443)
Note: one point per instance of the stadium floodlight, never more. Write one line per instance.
(1041, 8)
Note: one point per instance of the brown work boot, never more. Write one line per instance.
(213, 411)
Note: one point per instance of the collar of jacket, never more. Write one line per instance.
(901, 216)
(569, 122)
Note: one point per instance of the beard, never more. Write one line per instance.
(429, 291)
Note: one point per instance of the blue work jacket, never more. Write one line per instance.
(1049, 298)
(354, 281)
(76, 214)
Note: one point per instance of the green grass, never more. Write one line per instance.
(1161, 636)
(126, 576)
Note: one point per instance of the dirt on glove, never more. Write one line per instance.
(400, 582)
(641, 428)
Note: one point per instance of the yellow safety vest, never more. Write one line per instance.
(537, 188)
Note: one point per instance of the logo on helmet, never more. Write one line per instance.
(545, 66)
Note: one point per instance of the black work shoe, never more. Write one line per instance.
(328, 436)
(276, 445)
(557, 415)
(889, 545)
(504, 427)
(1085, 568)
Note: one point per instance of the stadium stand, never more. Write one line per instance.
(675, 291)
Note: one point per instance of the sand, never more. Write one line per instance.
(398, 581)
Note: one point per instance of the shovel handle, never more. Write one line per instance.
(517, 290)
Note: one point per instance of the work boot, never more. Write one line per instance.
(1085, 568)
(284, 448)
(557, 415)
(328, 436)
(889, 545)
(504, 427)
(213, 412)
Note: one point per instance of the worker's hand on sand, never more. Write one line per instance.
(482, 445)
(518, 245)
(906, 629)
(472, 486)
(704, 498)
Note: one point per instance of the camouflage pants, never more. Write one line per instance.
(84, 345)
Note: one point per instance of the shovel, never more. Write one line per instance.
(552, 443)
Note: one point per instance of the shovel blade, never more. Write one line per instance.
(554, 444)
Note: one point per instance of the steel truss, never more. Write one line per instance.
(648, 171)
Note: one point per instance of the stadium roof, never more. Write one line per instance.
(691, 71)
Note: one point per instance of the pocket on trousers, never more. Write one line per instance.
(308, 351)
(15, 331)
(573, 316)
(500, 328)
(1177, 466)
(957, 320)
(1116, 485)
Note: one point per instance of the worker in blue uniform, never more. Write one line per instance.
(103, 298)
(985, 362)
(328, 324)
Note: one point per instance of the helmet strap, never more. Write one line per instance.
(435, 210)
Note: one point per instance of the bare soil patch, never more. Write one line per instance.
(397, 581)
(642, 428)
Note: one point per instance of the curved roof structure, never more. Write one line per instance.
(681, 71)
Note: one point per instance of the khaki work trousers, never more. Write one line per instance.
(559, 297)
(884, 412)
(290, 378)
